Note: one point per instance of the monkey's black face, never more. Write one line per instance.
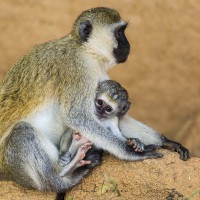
(103, 110)
(122, 51)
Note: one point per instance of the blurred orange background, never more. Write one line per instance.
(162, 74)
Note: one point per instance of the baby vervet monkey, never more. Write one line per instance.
(111, 104)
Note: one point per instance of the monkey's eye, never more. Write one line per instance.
(124, 108)
(99, 102)
(108, 109)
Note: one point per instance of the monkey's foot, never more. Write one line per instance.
(83, 162)
(95, 156)
(76, 135)
(82, 151)
(136, 144)
(177, 147)
(78, 139)
(77, 161)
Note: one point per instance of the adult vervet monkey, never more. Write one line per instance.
(52, 88)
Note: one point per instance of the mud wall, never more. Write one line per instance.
(162, 73)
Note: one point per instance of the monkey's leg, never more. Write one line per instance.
(177, 147)
(95, 156)
(77, 141)
(69, 152)
(76, 162)
(4, 177)
(33, 166)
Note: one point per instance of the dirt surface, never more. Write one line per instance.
(162, 72)
(168, 178)
(161, 75)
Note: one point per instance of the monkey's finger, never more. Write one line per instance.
(87, 144)
(85, 147)
(135, 145)
(84, 162)
(137, 149)
(132, 142)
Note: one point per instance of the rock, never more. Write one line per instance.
(166, 178)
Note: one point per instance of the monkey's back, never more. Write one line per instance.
(34, 79)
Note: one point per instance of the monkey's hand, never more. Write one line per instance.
(137, 145)
(79, 139)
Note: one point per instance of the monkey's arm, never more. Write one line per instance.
(102, 138)
(132, 128)
(113, 126)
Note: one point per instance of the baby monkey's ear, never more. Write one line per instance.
(125, 109)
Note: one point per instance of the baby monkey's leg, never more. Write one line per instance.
(77, 141)
(72, 158)
(77, 161)
(67, 153)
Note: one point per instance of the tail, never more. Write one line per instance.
(60, 196)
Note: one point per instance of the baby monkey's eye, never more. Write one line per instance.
(124, 108)
(108, 109)
(100, 102)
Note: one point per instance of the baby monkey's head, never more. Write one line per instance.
(111, 100)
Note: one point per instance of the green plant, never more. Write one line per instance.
(109, 185)
(69, 198)
(193, 194)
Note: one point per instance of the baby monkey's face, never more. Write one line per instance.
(106, 107)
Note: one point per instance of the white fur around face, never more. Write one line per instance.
(102, 42)
(109, 101)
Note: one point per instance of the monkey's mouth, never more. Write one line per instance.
(121, 55)
(100, 115)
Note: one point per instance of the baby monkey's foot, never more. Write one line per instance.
(77, 137)
(136, 144)
(81, 153)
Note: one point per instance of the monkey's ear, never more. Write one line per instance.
(85, 30)
(125, 108)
